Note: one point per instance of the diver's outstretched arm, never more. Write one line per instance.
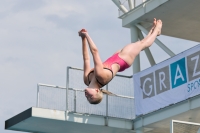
(86, 59)
(98, 66)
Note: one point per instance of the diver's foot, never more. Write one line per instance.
(158, 27)
(153, 27)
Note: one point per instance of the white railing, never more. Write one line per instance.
(72, 98)
(125, 6)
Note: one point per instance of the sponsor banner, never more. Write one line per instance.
(168, 82)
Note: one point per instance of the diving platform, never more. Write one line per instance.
(39, 120)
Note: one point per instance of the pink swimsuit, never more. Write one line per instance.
(108, 65)
(116, 59)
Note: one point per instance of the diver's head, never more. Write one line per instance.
(93, 95)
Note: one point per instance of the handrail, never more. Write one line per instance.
(76, 89)
(54, 86)
(143, 3)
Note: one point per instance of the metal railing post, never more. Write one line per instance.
(37, 104)
(106, 121)
(134, 3)
(75, 93)
(67, 87)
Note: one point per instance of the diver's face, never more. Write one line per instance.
(91, 93)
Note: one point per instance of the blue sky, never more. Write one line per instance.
(39, 39)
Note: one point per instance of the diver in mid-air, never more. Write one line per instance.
(103, 72)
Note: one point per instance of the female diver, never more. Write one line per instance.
(103, 72)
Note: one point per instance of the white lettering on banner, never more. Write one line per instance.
(150, 87)
(178, 71)
(195, 67)
(162, 80)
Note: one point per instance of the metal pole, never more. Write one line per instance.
(120, 6)
(171, 126)
(130, 3)
(75, 94)
(37, 103)
(107, 101)
(134, 38)
(123, 9)
(134, 4)
(67, 87)
(106, 120)
(136, 63)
